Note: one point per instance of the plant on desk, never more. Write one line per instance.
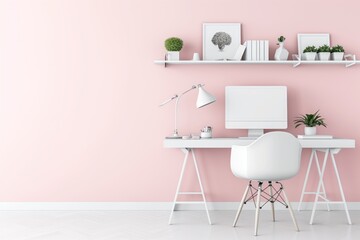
(310, 121)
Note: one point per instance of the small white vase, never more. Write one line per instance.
(281, 54)
(173, 56)
(324, 56)
(337, 56)
(310, 56)
(310, 131)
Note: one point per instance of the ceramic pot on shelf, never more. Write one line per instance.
(310, 56)
(337, 56)
(173, 56)
(281, 54)
(324, 56)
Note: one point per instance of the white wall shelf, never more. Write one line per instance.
(295, 63)
(348, 62)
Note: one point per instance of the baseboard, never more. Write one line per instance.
(120, 206)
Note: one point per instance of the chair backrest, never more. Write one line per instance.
(273, 156)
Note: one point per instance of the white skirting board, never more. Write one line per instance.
(121, 206)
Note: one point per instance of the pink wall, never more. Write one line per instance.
(79, 94)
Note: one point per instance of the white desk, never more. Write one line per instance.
(332, 146)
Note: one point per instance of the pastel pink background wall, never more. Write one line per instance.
(79, 94)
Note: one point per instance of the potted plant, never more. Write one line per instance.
(337, 53)
(281, 53)
(324, 52)
(310, 121)
(173, 45)
(310, 53)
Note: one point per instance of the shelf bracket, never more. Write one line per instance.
(350, 60)
(165, 60)
(296, 58)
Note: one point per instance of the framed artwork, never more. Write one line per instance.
(221, 40)
(313, 39)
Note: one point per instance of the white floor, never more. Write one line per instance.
(188, 225)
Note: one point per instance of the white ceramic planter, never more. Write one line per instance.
(173, 56)
(310, 131)
(281, 53)
(324, 56)
(310, 56)
(337, 56)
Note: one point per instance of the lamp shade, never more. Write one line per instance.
(204, 98)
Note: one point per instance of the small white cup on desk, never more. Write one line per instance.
(205, 134)
(196, 57)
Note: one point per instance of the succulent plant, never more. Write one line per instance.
(324, 48)
(337, 48)
(310, 49)
(281, 39)
(173, 44)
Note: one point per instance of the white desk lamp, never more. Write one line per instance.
(204, 98)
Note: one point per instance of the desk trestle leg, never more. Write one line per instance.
(187, 151)
(322, 191)
(332, 153)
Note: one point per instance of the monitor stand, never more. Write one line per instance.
(253, 133)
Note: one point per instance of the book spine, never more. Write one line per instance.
(253, 50)
(266, 50)
(262, 50)
(257, 50)
(248, 50)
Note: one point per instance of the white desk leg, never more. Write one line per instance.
(319, 186)
(323, 184)
(341, 189)
(313, 151)
(303, 192)
(187, 151)
(179, 184)
(201, 187)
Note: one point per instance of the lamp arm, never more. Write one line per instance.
(176, 106)
(177, 97)
(192, 87)
(168, 100)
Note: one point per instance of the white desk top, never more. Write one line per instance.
(228, 142)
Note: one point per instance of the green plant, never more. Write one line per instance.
(337, 48)
(281, 39)
(324, 48)
(173, 44)
(310, 120)
(310, 49)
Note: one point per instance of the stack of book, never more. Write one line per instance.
(257, 50)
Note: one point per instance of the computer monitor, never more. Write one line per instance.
(256, 108)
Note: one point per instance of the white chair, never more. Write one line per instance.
(272, 157)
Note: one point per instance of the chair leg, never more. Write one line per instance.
(291, 211)
(241, 204)
(272, 201)
(257, 209)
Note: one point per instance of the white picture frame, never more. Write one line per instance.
(229, 35)
(311, 39)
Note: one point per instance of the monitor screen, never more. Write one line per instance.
(256, 108)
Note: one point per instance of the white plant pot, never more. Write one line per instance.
(310, 131)
(324, 56)
(337, 56)
(310, 56)
(173, 56)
